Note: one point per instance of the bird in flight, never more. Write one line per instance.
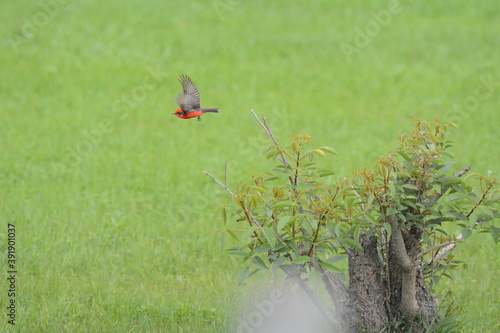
(190, 101)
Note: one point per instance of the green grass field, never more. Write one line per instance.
(115, 222)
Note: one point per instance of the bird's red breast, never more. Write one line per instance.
(192, 114)
(190, 101)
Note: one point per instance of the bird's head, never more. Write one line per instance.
(178, 113)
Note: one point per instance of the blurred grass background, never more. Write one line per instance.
(115, 221)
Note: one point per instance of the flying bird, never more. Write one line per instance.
(190, 101)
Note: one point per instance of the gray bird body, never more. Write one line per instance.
(190, 99)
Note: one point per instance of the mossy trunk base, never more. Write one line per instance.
(371, 302)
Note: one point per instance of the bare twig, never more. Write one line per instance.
(248, 214)
(447, 249)
(269, 133)
(436, 247)
(250, 217)
(480, 200)
(218, 182)
(464, 171)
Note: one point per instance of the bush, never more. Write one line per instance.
(387, 221)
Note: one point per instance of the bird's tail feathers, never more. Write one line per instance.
(213, 110)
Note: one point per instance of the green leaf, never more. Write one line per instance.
(239, 254)
(333, 260)
(272, 153)
(291, 244)
(352, 243)
(388, 228)
(264, 248)
(414, 142)
(270, 178)
(231, 233)
(328, 266)
(409, 203)
(326, 172)
(339, 230)
(392, 211)
(411, 186)
(438, 220)
(283, 222)
(329, 150)
(371, 219)
(406, 157)
(284, 204)
(306, 225)
(466, 232)
(356, 233)
(281, 248)
(259, 262)
(259, 189)
(445, 153)
(494, 233)
(268, 233)
(302, 259)
(243, 275)
(278, 262)
(222, 239)
(472, 219)
(250, 231)
(452, 197)
(224, 215)
(318, 152)
(457, 187)
(392, 189)
(450, 180)
(441, 231)
(460, 216)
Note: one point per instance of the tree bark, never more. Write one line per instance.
(402, 257)
(345, 313)
(371, 304)
(361, 306)
(366, 286)
(425, 302)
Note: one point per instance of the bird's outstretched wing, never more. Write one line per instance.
(190, 99)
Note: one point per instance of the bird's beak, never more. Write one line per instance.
(174, 113)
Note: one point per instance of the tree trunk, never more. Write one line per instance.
(427, 305)
(371, 302)
(366, 286)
